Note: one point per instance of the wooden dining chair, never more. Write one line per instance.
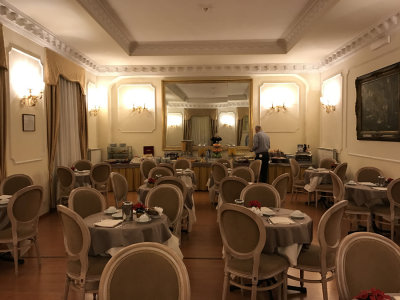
(86, 201)
(367, 260)
(320, 257)
(281, 183)
(168, 166)
(157, 271)
(83, 164)
(182, 163)
(218, 172)
(255, 165)
(326, 163)
(145, 167)
(368, 174)
(227, 163)
(83, 271)
(297, 183)
(264, 193)
(120, 188)
(99, 176)
(244, 172)
(13, 183)
(160, 171)
(66, 183)
(231, 188)
(23, 211)
(243, 237)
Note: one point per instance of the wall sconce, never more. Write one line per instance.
(174, 120)
(139, 109)
(278, 108)
(94, 111)
(31, 100)
(227, 119)
(331, 93)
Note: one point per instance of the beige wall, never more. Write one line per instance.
(308, 131)
(384, 155)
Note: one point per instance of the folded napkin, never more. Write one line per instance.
(143, 219)
(159, 210)
(367, 183)
(281, 220)
(267, 211)
(352, 182)
(108, 223)
(5, 197)
(297, 214)
(256, 210)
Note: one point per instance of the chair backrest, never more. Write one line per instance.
(281, 183)
(170, 198)
(368, 174)
(120, 187)
(243, 234)
(225, 162)
(329, 233)
(83, 164)
(264, 193)
(340, 171)
(145, 167)
(23, 211)
(174, 181)
(168, 166)
(367, 260)
(76, 238)
(326, 163)
(338, 187)
(147, 271)
(183, 164)
(393, 192)
(294, 169)
(244, 172)
(66, 177)
(163, 171)
(219, 171)
(231, 188)
(255, 165)
(86, 201)
(14, 183)
(100, 173)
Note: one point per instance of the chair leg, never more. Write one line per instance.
(37, 251)
(284, 286)
(291, 196)
(226, 286)
(302, 277)
(324, 287)
(254, 290)
(392, 230)
(369, 222)
(66, 288)
(15, 255)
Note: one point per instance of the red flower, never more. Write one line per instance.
(372, 294)
(151, 180)
(255, 203)
(139, 207)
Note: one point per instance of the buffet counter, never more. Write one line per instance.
(202, 171)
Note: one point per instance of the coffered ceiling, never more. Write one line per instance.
(262, 35)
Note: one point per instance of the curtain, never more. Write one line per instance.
(82, 123)
(187, 129)
(214, 128)
(3, 106)
(210, 114)
(200, 130)
(68, 148)
(239, 131)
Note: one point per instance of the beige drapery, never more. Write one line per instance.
(241, 112)
(187, 122)
(55, 67)
(3, 106)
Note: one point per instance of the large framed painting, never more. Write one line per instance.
(378, 105)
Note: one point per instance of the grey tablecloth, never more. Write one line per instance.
(128, 233)
(282, 235)
(365, 195)
(143, 191)
(82, 178)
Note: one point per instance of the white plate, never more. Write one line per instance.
(367, 183)
(4, 201)
(140, 221)
(297, 217)
(4, 197)
(270, 213)
(110, 212)
(117, 215)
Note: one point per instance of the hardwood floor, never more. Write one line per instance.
(202, 250)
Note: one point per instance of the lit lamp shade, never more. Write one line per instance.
(331, 93)
(174, 120)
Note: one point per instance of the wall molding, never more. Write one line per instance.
(374, 157)
(27, 27)
(372, 34)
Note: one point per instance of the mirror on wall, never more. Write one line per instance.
(198, 110)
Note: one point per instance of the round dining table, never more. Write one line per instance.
(286, 235)
(127, 233)
(366, 194)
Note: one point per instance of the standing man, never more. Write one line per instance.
(261, 146)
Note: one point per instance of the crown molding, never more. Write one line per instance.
(27, 27)
(209, 105)
(102, 12)
(372, 34)
(312, 11)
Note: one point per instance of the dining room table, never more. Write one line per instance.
(287, 232)
(82, 178)
(314, 177)
(110, 239)
(366, 193)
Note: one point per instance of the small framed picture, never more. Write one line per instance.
(28, 122)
